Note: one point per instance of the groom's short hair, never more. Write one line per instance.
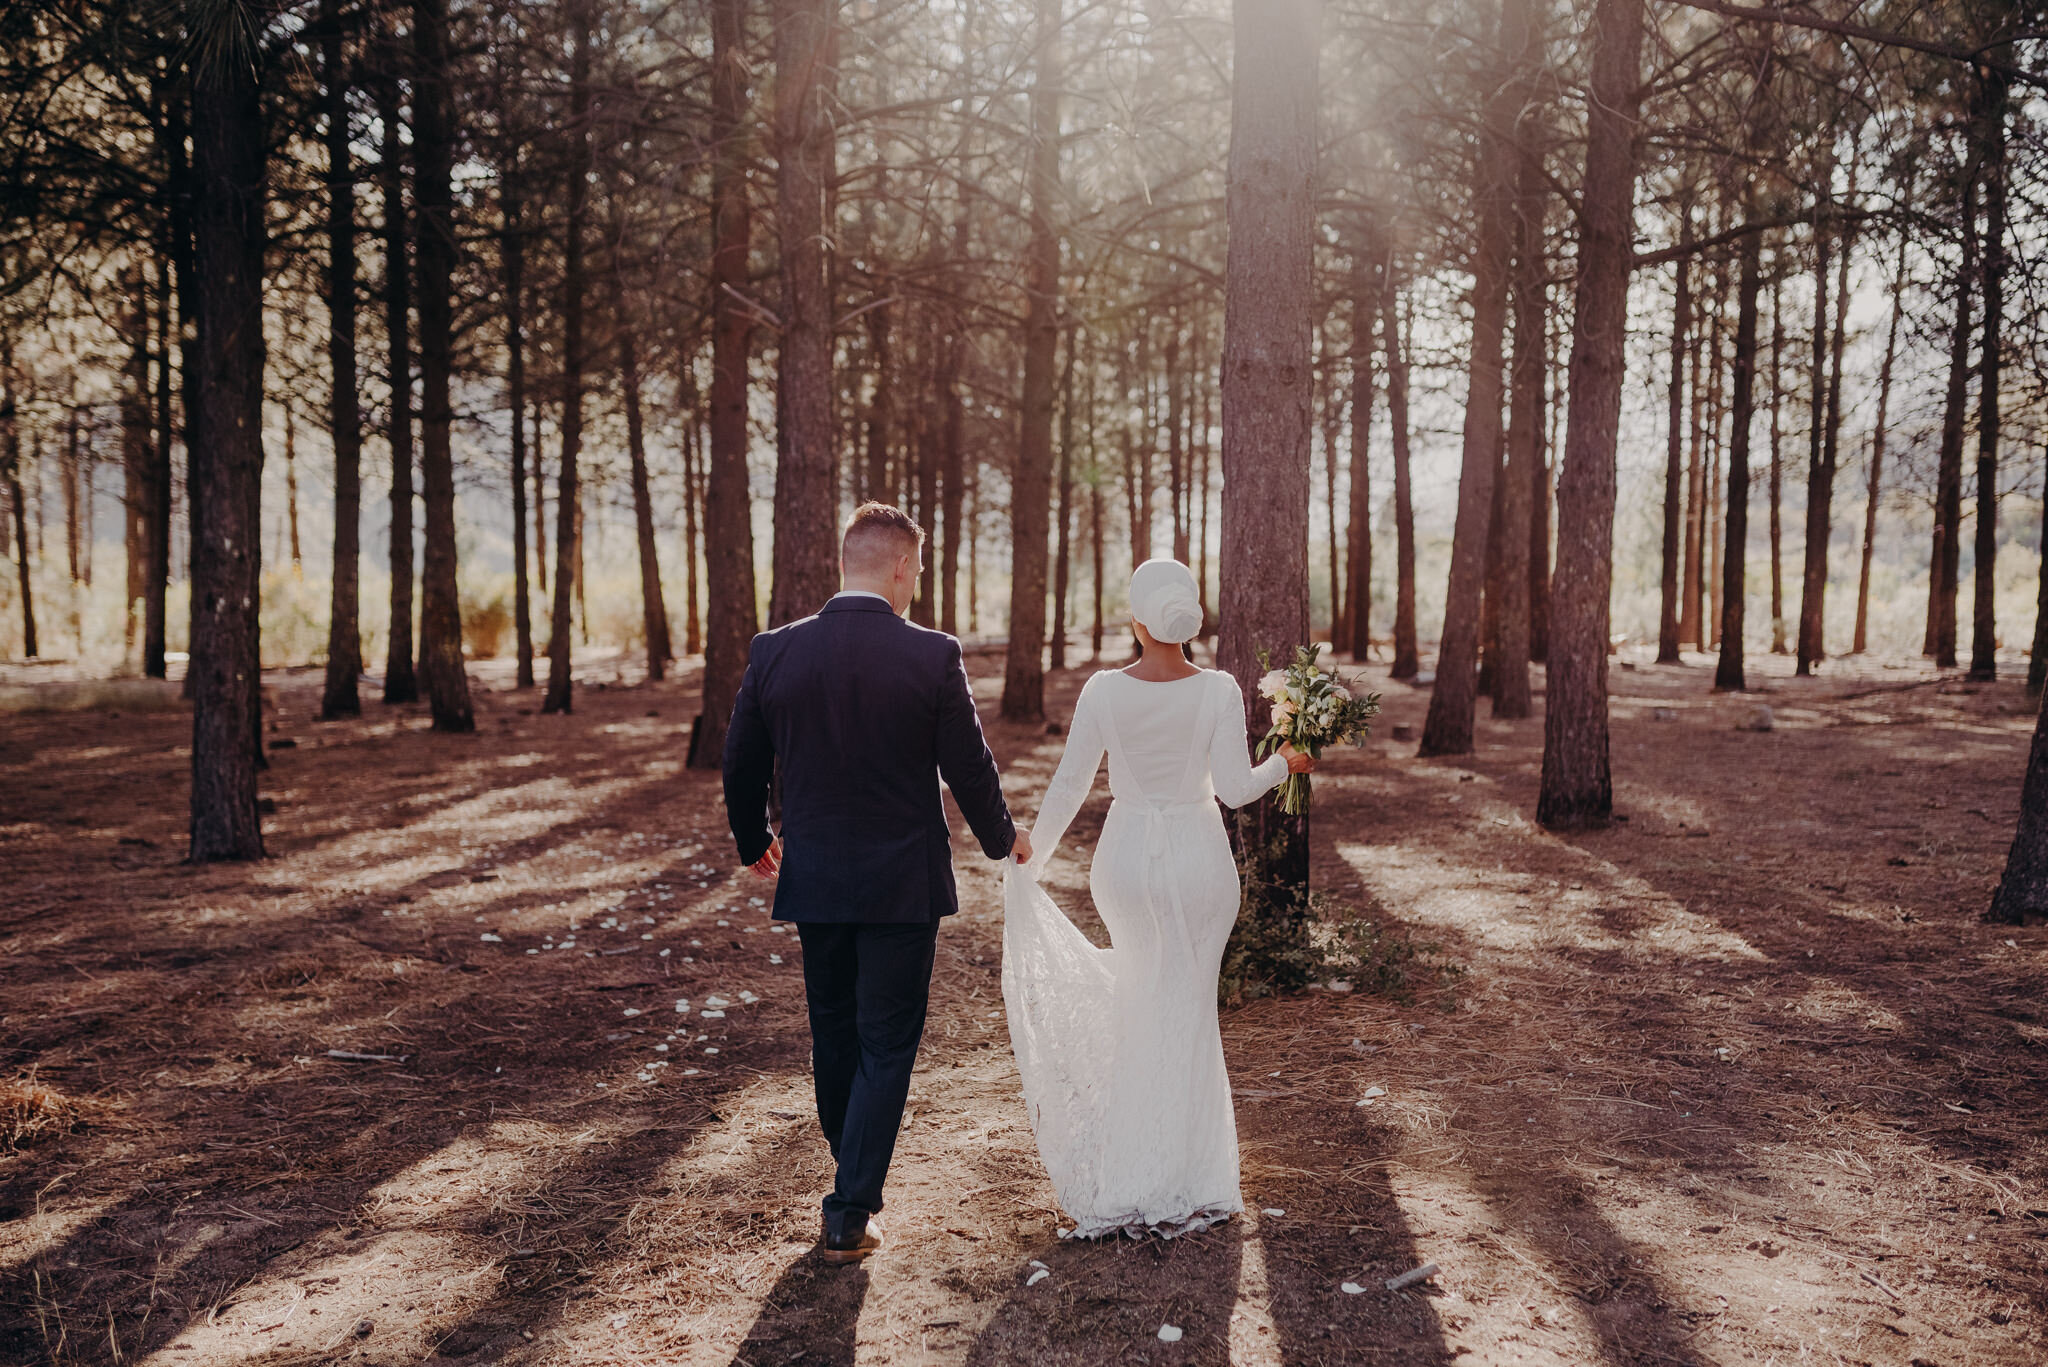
(876, 534)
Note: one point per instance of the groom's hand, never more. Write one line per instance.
(769, 864)
(1021, 851)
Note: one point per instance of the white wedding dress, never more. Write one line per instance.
(1118, 1048)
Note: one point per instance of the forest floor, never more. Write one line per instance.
(1741, 1079)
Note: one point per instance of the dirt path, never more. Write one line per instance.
(1739, 1080)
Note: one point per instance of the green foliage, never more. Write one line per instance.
(1281, 944)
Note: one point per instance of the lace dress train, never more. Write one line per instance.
(1118, 1048)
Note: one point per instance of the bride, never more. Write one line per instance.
(1118, 1048)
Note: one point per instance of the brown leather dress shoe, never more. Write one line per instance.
(839, 1252)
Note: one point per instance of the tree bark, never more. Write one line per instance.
(537, 453)
(291, 485)
(1991, 136)
(881, 404)
(560, 695)
(226, 468)
(1728, 674)
(1778, 644)
(1820, 473)
(1366, 283)
(1577, 786)
(1691, 627)
(1407, 654)
(1674, 459)
(693, 522)
(1031, 484)
(1526, 378)
(433, 148)
(2037, 657)
(953, 419)
(1875, 484)
(806, 551)
(728, 511)
(2022, 895)
(338, 697)
(1333, 425)
(137, 458)
(1945, 562)
(1268, 389)
(513, 255)
(1447, 730)
(10, 468)
(401, 685)
(653, 607)
(1063, 535)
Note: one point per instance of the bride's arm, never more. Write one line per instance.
(1071, 781)
(1238, 781)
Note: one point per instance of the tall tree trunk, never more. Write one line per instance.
(1674, 459)
(1778, 643)
(1539, 514)
(1945, 562)
(806, 550)
(400, 683)
(1991, 136)
(156, 515)
(2037, 657)
(137, 458)
(1447, 730)
(1690, 626)
(1031, 485)
(1819, 472)
(1710, 506)
(1526, 379)
(1874, 486)
(1366, 282)
(1268, 392)
(513, 255)
(728, 511)
(291, 486)
(338, 696)
(1407, 654)
(653, 607)
(70, 487)
(952, 484)
(1577, 786)
(433, 146)
(560, 695)
(226, 467)
(1063, 536)
(881, 405)
(10, 468)
(927, 437)
(2022, 894)
(693, 523)
(1333, 425)
(537, 451)
(1095, 564)
(1176, 449)
(1728, 674)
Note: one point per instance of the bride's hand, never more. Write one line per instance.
(1021, 850)
(1297, 762)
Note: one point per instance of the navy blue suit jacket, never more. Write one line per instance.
(866, 712)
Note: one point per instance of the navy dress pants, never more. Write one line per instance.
(866, 986)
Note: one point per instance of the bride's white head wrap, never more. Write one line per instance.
(1165, 599)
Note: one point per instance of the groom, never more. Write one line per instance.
(864, 712)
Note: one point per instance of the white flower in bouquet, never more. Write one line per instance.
(1313, 708)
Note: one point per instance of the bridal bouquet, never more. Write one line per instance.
(1313, 708)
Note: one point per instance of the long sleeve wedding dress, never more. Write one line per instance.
(1118, 1048)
